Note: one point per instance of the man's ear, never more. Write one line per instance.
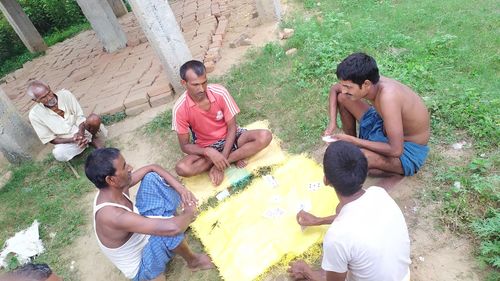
(367, 84)
(110, 180)
(184, 82)
(326, 182)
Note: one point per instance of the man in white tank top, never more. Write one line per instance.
(140, 240)
(368, 238)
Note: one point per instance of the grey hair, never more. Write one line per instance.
(34, 84)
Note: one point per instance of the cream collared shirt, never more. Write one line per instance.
(49, 125)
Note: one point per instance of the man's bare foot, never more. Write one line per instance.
(216, 176)
(201, 262)
(241, 163)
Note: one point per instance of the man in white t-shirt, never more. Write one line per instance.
(368, 237)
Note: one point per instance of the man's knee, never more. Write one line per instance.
(342, 98)
(183, 170)
(264, 137)
(59, 155)
(150, 177)
(93, 122)
(66, 152)
(371, 158)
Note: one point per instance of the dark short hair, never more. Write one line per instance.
(345, 167)
(197, 66)
(358, 68)
(99, 165)
(31, 272)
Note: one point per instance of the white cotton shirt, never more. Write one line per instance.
(369, 238)
(49, 125)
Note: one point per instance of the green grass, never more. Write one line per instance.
(447, 51)
(61, 35)
(55, 37)
(46, 191)
(108, 119)
(162, 123)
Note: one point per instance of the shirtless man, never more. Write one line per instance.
(394, 127)
(140, 240)
(208, 112)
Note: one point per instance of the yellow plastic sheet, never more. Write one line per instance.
(252, 230)
(201, 185)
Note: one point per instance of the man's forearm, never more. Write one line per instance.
(193, 149)
(230, 138)
(81, 128)
(62, 140)
(326, 220)
(378, 147)
(332, 104)
(315, 275)
(183, 221)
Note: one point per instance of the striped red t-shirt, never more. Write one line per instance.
(209, 126)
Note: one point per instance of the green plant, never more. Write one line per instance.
(55, 20)
(108, 119)
(161, 123)
(488, 231)
(48, 192)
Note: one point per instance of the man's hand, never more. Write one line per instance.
(344, 137)
(216, 176)
(191, 211)
(217, 158)
(306, 219)
(187, 197)
(298, 270)
(80, 140)
(330, 129)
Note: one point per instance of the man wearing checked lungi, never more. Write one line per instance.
(140, 240)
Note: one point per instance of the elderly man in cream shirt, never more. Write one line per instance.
(58, 118)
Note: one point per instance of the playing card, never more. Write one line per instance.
(314, 186)
(274, 213)
(222, 195)
(271, 181)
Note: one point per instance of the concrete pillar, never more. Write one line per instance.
(18, 140)
(164, 34)
(22, 25)
(269, 10)
(118, 7)
(104, 23)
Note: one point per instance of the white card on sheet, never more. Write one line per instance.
(313, 186)
(222, 195)
(273, 213)
(271, 181)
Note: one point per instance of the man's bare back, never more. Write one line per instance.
(414, 114)
(111, 237)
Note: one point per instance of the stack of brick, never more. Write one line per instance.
(131, 79)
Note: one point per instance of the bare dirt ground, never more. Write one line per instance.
(436, 253)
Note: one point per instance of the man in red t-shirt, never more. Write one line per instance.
(208, 112)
